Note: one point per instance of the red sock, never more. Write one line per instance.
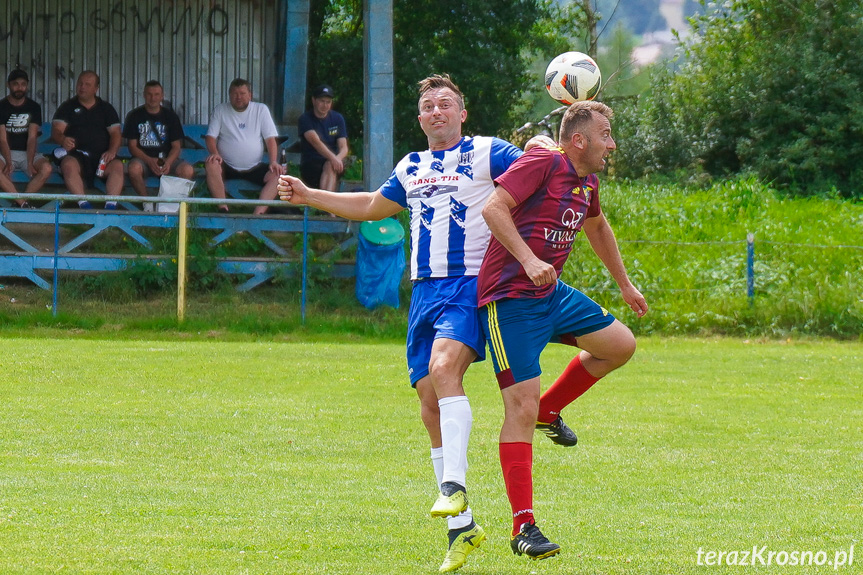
(516, 460)
(574, 381)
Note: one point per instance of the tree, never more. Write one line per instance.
(483, 45)
(773, 87)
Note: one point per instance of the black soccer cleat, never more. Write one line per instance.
(531, 542)
(558, 432)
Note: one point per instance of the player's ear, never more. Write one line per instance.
(463, 115)
(578, 140)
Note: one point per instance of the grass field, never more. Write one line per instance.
(284, 457)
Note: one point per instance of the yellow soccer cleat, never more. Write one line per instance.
(461, 543)
(451, 501)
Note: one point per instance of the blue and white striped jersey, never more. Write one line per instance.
(445, 192)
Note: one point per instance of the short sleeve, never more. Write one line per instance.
(130, 126)
(215, 125)
(503, 154)
(268, 126)
(393, 190)
(527, 174)
(111, 116)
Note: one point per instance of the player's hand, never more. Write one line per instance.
(68, 143)
(292, 190)
(31, 170)
(634, 300)
(108, 156)
(540, 140)
(7, 168)
(540, 272)
(214, 159)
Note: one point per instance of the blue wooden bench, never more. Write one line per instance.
(24, 260)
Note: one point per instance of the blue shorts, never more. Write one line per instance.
(518, 329)
(444, 307)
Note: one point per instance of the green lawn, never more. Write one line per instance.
(274, 457)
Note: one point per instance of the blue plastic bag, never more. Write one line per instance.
(380, 267)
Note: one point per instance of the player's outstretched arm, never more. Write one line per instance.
(352, 206)
(498, 215)
(603, 242)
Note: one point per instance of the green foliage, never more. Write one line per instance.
(685, 248)
(772, 88)
(479, 43)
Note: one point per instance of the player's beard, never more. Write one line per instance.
(18, 94)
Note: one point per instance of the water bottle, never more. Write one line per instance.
(100, 171)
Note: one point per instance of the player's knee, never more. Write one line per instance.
(625, 347)
(445, 375)
(521, 408)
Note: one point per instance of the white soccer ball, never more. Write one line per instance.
(573, 77)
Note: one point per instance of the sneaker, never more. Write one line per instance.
(531, 542)
(26, 206)
(558, 432)
(451, 501)
(461, 542)
(110, 205)
(84, 205)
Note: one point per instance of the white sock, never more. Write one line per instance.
(464, 518)
(455, 423)
(437, 463)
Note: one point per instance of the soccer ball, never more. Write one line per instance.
(572, 77)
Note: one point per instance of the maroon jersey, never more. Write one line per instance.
(552, 204)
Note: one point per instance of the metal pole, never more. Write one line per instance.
(56, 252)
(750, 268)
(181, 262)
(305, 263)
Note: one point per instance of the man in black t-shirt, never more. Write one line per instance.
(20, 125)
(154, 134)
(88, 128)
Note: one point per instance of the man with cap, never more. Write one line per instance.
(323, 141)
(20, 125)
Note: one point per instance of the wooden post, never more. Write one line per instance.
(181, 262)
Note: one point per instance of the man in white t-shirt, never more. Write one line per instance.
(238, 133)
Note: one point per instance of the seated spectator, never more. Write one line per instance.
(154, 134)
(235, 138)
(20, 125)
(323, 142)
(88, 129)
